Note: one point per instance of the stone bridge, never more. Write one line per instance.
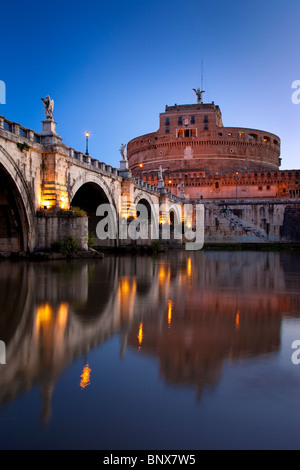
(49, 191)
(43, 183)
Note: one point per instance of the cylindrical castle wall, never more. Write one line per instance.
(222, 149)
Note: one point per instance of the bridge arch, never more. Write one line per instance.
(152, 206)
(88, 192)
(17, 213)
(175, 213)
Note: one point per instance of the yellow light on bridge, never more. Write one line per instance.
(46, 204)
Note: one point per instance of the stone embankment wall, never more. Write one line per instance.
(252, 221)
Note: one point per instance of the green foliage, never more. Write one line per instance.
(78, 212)
(23, 146)
(90, 240)
(67, 247)
(155, 245)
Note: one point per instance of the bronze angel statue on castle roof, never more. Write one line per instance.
(199, 94)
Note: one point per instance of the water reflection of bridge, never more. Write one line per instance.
(197, 311)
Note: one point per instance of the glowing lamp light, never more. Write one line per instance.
(45, 204)
(140, 334)
(170, 305)
(44, 314)
(141, 165)
(189, 267)
(87, 134)
(237, 320)
(85, 377)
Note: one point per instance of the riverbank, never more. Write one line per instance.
(148, 250)
(51, 256)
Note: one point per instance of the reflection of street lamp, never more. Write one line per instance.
(87, 143)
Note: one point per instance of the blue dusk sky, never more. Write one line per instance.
(112, 66)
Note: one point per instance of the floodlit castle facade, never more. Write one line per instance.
(210, 161)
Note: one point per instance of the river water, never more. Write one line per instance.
(186, 350)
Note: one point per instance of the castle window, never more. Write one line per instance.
(259, 188)
(217, 185)
(192, 119)
(179, 120)
(268, 187)
(206, 127)
(266, 138)
(167, 130)
(275, 142)
(205, 118)
(220, 134)
(167, 121)
(252, 136)
(186, 132)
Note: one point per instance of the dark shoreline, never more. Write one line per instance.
(147, 250)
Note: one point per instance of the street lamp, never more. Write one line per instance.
(87, 143)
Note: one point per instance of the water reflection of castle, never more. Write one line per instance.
(191, 311)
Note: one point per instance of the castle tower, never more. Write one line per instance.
(192, 142)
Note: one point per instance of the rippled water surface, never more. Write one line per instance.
(182, 351)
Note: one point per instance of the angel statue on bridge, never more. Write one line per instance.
(123, 151)
(49, 106)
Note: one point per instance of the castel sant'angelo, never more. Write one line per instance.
(196, 152)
